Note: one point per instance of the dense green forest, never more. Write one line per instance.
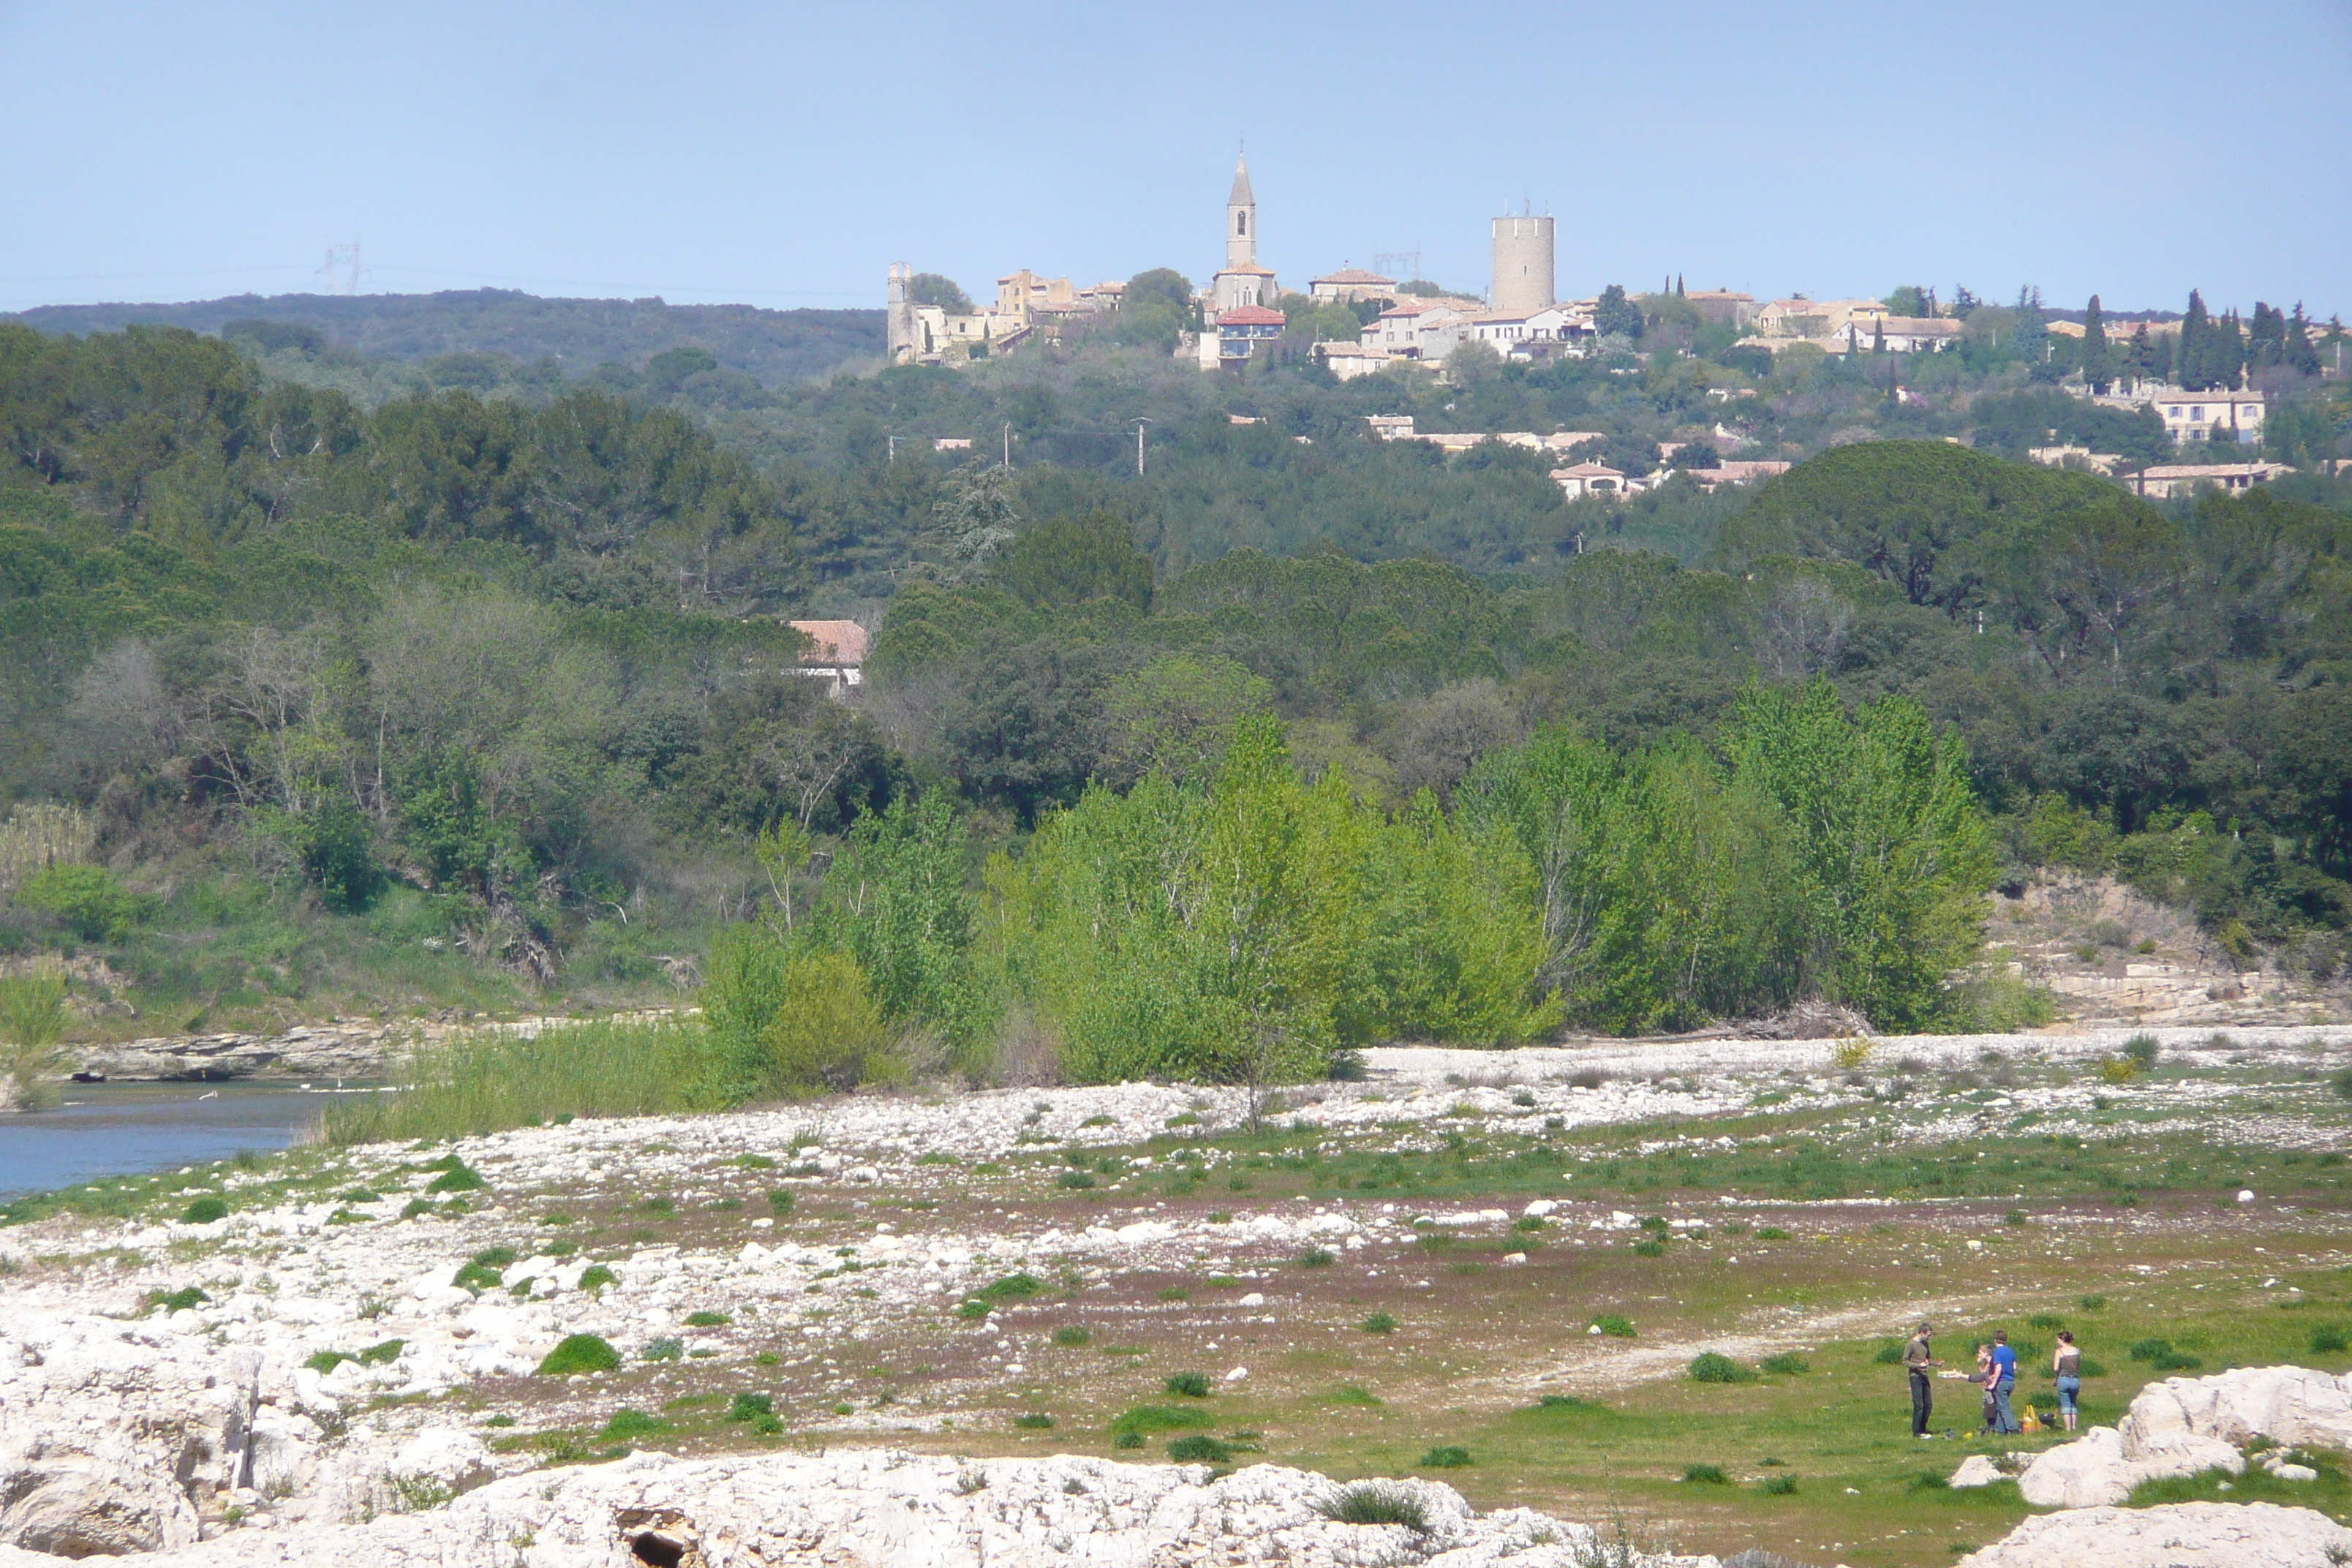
(486, 339)
(1283, 746)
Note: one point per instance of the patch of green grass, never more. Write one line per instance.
(1189, 1384)
(1035, 1421)
(1072, 1337)
(458, 1178)
(972, 1310)
(1615, 1328)
(2328, 1340)
(577, 1353)
(626, 1426)
(1653, 1247)
(1705, 1475)
(1160, 1418)
(477, 1277)
(1770, 1233)
(1378, 1323)
(753, 1162)
(597, 1275)
(204, 1210)
(1012, 1288)
(489, 1081)
(1315, 1257)
(1349, 1393)
(1446, 1457)
(1787, 1363)
(1075, 1181)
(1175, 1293)
(179, 1301)
(1779, 1486)
(707, 1319)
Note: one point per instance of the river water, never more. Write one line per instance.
(128, 1128)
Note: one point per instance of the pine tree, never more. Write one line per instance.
(2098, 364)
(2194, 355)
(2266, 335)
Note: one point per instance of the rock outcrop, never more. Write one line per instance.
(2177, 1535)
(879, 1507)
(2184, 1425)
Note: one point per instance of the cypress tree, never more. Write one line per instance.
(2229, 346)
(2195, 355)
(2297, 351)
(2098, 365)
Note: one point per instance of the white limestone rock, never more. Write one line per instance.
(88, 1508)
(2177, 1535)
(1977, 1470)
(2187, 1424)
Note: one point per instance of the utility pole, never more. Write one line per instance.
(1008, 444)
(894, 448)
(1139, 423)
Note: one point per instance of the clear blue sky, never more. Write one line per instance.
(785, 154)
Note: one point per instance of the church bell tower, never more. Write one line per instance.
(1241, 219)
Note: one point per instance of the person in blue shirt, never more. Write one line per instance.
(2003, 1374)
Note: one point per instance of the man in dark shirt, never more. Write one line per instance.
(2004, 1378)
(1918, 1359)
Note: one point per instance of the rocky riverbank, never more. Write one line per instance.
(347, 1357)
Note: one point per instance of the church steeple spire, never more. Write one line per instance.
(1241, 219)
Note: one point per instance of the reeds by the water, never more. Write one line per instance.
(489, 1081)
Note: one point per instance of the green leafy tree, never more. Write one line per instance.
(1615, 315)
(1073, 559)
(944, 292)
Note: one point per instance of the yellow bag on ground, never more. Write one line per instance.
(2030, 1422)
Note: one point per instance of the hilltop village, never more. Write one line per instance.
(1356, 322)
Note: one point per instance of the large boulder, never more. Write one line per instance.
(2288, 1405)
(2184, 1425)
(86, 1508)
(2177, 1535)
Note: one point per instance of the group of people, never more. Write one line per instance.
(1996, 1374)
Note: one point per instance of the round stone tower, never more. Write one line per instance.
(1523, 265)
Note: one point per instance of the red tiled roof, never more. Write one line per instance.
(834, 642)
(1354, 275)
(1251, 316)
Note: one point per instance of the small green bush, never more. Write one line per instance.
(1447, 1458)
(707, 1319)
(2342, 1083)
(1127, 1441)
(1351, 1394)
(495, 1256)
(415, 1208)
(973, 1310)
(2141, 1051)
(2327, 1341)
(383, 1355)
(597, 1275)
(459, 1177)
(1035, 1421)
(360, 1195)
(86, 898)
(1889, 1354)
(204, 1210)
(1012, 1287)
(1189, 1384)
(1615, 1328)
(1705, 1475)
(325, 1362)
(1711, 1367)
(1175, 1293)
(750, 1406)
(1375, 1502)
(1770, 1233)
(2046, 1321)
(1651, 1247)
(181, 1300)
(2093, 1303)
(1199, 1448)
(1315, 1257)
(829, 1035)
(754, 1162)
(780, 1199)
(1567, 1402)
(1074, 1181)
(1071, 1337)
(664, 1349)
(1779, 1486)
(1378, 1323)
(476, 1277)
(1786, 1364)
(579, 1354)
